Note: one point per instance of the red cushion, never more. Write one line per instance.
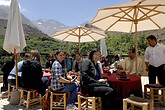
(86, 95)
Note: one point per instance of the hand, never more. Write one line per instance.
(73, 80)
(103, 80)
(147, 69)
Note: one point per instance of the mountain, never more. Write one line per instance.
(4, 11)
(49, 26)
(28, 26)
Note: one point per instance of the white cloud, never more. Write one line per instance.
(23, 9)
(5, 2)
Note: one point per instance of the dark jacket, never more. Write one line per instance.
(32, 76)
(8, 66)
(48, 65)
(88, 74)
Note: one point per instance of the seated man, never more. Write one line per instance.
(129, 64)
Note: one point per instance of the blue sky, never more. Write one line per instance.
(68, 12)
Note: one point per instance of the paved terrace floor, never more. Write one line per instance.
(5, 104)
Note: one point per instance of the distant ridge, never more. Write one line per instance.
(28, 30)
(49, 26)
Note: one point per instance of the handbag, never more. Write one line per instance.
(46, 100)
(15, 97)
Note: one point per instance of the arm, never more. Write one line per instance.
(73, 67)
(147, 59)
(68, 64)
(147, 66)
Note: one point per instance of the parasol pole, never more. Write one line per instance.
(15, 54)
(79, 39)
(79, 44)
(136, 43)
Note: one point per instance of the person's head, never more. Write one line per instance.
(103, 57)
(35, 55)
(60, 55)
(152, 41)
(26, 56)
(94, 55)
(78, 56)
(51, 56)
(116, 57)
(131, 53)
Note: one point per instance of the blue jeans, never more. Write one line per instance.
(74, 88)
(45, 81)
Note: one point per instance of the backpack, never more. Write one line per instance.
(31, 74)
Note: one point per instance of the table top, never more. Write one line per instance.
(114, 77)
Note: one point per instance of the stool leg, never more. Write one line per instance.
(28, 100)
(132, 107)
(93, 103)
(34, 94)
(65, 101)
(79, 102)
(40, 99)
(163, 97)
(9, 91)
(51, 100)
(145, 107)
(152, 105)
(21, 98)
(100, 104)
(124, 104)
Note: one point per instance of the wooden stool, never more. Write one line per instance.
(145, 104)
(9, 90)
(89, 103)
(154, 93)
(58, 100)
(29, 98)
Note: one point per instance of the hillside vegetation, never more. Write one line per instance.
(116, 44)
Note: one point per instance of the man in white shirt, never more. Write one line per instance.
(155, 60)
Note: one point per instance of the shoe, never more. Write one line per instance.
(74, 107)
(69, 107)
